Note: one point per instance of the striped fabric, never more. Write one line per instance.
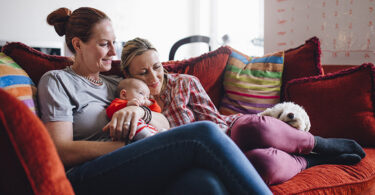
(251, 84)
(15, 81)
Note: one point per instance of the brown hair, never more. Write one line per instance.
(78, 23)
(132, 48)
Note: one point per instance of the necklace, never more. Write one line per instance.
(96, 81)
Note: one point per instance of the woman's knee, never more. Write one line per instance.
(204, 132)
(207, 130)
(249, 131)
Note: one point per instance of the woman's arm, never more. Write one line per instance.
(191, 103)
(159, 121)
(123, 124)
(76, 152)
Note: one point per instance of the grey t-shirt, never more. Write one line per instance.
(66, 96)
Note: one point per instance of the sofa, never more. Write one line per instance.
(338, 98)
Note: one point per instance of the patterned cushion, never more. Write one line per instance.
(16, 81)
(251, 84)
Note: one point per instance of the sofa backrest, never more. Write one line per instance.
(301, 61)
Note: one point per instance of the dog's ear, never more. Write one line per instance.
(308, 125)
(278, 114)
(306, 120)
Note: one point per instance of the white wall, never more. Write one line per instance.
(163, 22)
(345, 28)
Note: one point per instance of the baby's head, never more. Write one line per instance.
(131, 88)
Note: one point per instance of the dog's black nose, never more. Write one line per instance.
(290, 115)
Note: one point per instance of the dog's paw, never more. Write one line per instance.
(290, 113)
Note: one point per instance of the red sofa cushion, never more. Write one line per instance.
(208, 67)
(339, 104)
(30, 163)
(302, 61)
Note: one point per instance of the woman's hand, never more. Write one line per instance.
(124, 123)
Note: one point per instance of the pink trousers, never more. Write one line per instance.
(272, 146)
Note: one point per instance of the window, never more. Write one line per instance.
(237, 23)
(241, 24)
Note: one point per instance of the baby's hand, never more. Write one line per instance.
(147, 103)
(138, 102)
(134, 102)
(162, 130)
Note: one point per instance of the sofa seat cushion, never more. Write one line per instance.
(333, 179)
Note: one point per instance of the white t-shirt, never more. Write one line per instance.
(65, 96)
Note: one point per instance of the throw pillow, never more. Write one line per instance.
(36, 63)
(17, 82)
(30, 162)
(208, 67)
(339, 104)
(302, 61)
(251, 84)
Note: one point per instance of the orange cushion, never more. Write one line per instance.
(30, 163)
(333, 179)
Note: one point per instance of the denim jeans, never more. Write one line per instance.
(191, 159)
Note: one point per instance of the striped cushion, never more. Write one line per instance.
(15, 81)
(251, 84)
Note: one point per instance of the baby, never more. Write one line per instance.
(134, 92)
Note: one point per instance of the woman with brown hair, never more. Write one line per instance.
(277, 150)
(191, 159)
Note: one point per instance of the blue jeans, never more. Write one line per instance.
(191, 159)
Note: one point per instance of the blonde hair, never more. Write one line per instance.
(132, 48)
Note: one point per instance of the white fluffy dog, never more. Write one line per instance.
(290, 113)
